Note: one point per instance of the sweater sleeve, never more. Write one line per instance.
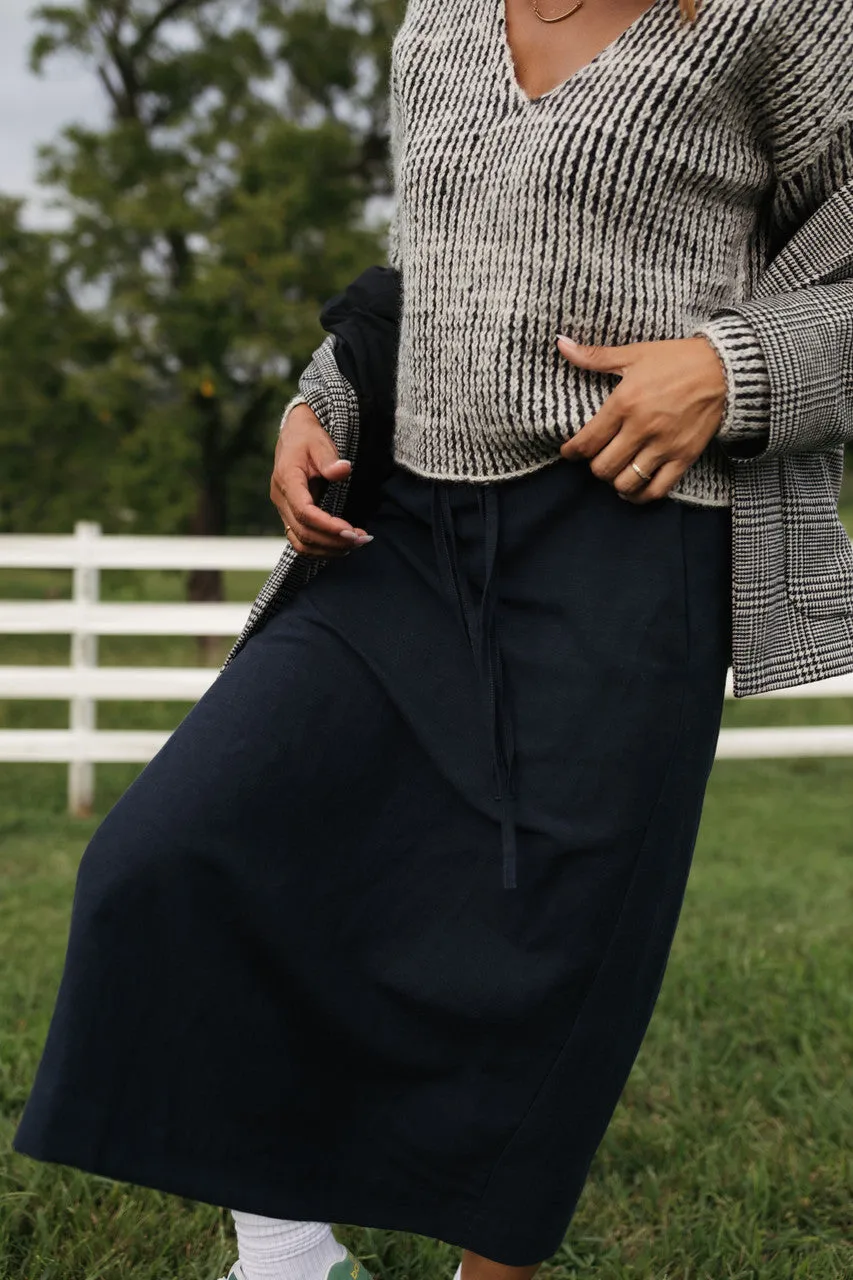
(299, 398)
(743, 428)
(805, 121)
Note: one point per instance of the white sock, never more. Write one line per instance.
(279, 1249)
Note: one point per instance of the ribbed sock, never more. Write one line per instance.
(280, 1249)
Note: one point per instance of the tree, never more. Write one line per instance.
(50, 441)
(207, 222)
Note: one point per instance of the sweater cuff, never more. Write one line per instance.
(299, 398)
(745, 425)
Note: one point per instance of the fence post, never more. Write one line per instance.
(84, 656)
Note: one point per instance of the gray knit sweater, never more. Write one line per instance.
(639, 200)
(630, 203)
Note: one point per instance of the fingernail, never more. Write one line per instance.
(362, 538)
(348, 533)
(567, 339)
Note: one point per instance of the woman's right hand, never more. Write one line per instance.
(306, 460)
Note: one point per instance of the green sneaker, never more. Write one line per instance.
(349, 1268)
(236, 1273)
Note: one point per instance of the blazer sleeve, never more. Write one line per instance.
(314, 390)
(787, 356)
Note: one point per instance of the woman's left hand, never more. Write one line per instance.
(663, 413)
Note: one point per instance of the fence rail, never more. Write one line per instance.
(83, 683)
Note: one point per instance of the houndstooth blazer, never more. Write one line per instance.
(792, 571)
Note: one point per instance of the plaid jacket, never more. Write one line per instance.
(792, 573)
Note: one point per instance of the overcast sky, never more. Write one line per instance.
(34, 108)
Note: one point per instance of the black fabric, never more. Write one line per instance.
(365, 320)
(297, 983)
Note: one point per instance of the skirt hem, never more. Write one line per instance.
(342, 1206)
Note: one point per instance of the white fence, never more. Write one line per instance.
(85, 617)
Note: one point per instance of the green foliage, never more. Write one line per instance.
(161, 330)
(49, 446)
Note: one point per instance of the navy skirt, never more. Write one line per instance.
(376, 935)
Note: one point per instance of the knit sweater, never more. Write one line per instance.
(630, 203)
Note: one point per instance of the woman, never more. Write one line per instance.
(377, 934)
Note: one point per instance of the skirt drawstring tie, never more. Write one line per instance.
(480, 625)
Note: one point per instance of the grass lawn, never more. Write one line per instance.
(731, 1153)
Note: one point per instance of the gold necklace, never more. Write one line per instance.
(559, 18)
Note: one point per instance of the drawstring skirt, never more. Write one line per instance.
(376, 935)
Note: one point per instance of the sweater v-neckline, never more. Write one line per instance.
(606, 54)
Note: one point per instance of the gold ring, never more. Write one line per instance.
(287, 529)
(642, 474)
